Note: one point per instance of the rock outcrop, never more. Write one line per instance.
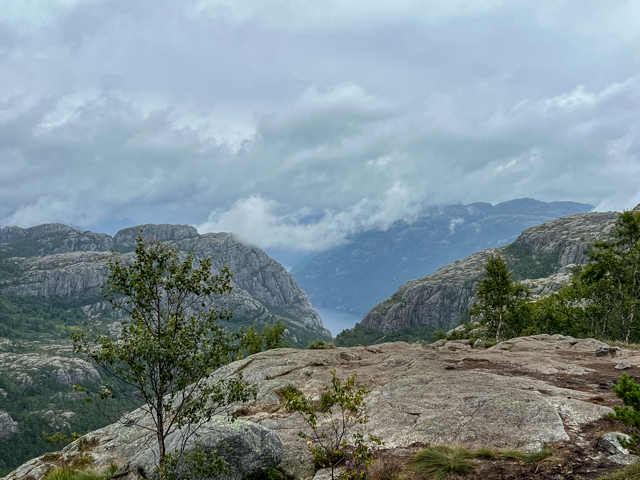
(8, 427)
(29, 369)
(51, 238)
(520, 394)
(126, 238)
(444, 297)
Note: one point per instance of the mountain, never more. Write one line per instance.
(50, 279)
(57, 261)
(443, 298)
(367, 269)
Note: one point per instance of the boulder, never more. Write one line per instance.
(248, 448)
(8, 427)
(609, 442)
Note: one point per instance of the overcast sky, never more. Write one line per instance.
(297, 122)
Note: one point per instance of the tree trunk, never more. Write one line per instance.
(499, 325)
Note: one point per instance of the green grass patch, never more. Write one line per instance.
(630, 472)
(485, 454)
(70, 473)
(441, 461)
(527, 457)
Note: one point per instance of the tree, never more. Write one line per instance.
(610, 282)
(498, 297)
(170, 341)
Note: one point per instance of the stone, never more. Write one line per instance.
(622, 366)
(479, 343)
(248, 448)
(610, 443)
(622, 459)
(606, 350)
(126, 238)
(8, 426)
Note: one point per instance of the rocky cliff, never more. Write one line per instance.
(57, 261)
(363, 272)
(521, 394)
(444, 297)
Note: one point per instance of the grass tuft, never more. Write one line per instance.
(630, 472)
(527, 457)
(440, 461)
(486, 453)
(388, 467)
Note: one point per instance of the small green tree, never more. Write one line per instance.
(498, 297)
(170, 342)
(342, 410)
(629, 391)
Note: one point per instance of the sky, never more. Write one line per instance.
(296, 123)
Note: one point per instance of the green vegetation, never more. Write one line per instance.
(38, 318)
(29, 406)
(170, 343)
(342, 408)
(526, 264)
(630, 472)
(498, 297)
(70, 473)
(271, 336)
(360, 335)
(320, 345)
(440, 461)
(629, 391)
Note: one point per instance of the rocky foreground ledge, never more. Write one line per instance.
(519, 394)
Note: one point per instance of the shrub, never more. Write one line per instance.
(320, 345)
(342, 408)
(440, 461)
(629, 391)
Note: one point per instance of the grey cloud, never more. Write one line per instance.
(297, 127)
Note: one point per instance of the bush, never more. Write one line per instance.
(629, 391)
(342, 407)
(320, 345)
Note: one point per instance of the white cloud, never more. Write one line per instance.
(257, 220)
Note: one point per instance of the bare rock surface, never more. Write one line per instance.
(8, 427)
(442, 298)
(520, 394)
(31, 368)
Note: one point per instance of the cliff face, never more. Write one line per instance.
(444, 297)
(360, 274)
(58, 261)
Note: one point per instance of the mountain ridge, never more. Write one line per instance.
(368, 268)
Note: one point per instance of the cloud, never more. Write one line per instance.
(257, 220)
(297, 124)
